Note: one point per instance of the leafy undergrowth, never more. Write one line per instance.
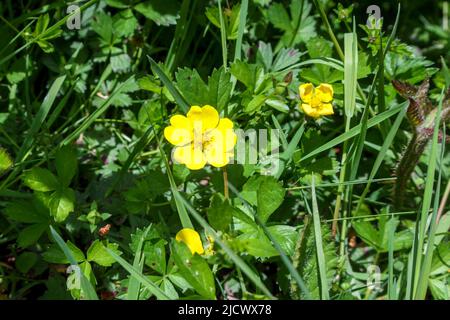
(109, 190)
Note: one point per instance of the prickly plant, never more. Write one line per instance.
(422, 116)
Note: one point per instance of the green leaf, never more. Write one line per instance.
(219, 88)
(279, 17)
(220, 213)
(66, 164)
(298, 27)
(103, 26)
(24, 211)
(308, 263)
(40, 179)
(62, 203)
(163, 13)
(54, 254)
(270, 197)
(30, 235)
(256, 243)
(5, 161)
(246, 73)
(125, 23)
(264, 192)
(26, 261)
(440, 289)
(194, 269)
(97, 253)
(155, 256)
(192, 86)
(121, 63)
(194, 89)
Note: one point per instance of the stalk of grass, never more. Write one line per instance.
(286, 156)
(181, 29)
(153, 288)
(40, 118)
(362, 137)
(423, 263)
(97, 113)
(416, 254)
(182, 213)
(86, 286)
(134, 284)
(381, 155)
(335, 42)
(324, 291)
(179, 99)
(391, 287)
(326, 61)
(348, 182)
(223, 36)
(354, 131)
(350, 84)
(241, 29)
(17, 36)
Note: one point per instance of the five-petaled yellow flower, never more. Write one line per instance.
(192, 239)
(316, 101)
(201, 137)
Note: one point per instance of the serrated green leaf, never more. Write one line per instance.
(40, 179)
(97, 253)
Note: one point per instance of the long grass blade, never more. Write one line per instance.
(324, 291)
(85, 285)
(153, 288)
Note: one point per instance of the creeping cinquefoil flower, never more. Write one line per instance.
(201, 138)
(316, 101)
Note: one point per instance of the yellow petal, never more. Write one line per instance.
(178, 136)
(325, 109)
(306, 92)
(216, 156)
(192, 239)
(180, 121)
(225, 123)
(227, 136)
(190, 156)
(310, 111)
(204, 118)
(180, 132)
(210, 117)
(325, 92)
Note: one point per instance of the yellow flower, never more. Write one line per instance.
(192, 239)
(201, 137)
(316, 101)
